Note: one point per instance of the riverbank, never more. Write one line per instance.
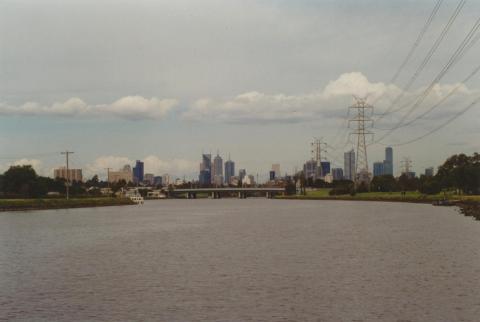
(40, 204)
(409, 196)
(468, 205)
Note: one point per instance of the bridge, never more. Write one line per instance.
(216, 193)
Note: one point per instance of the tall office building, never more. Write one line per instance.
(429, 172)
(388, 162)
(229, 170)
(205, 176)
(217, 170)
(337, 173)
(325, 167)
(241, 174)
(310, 169)
(138, 171)
(349, 165)
(276, 168)
(378, 169)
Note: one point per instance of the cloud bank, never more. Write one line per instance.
(152, 164)
(330, 102)
(128, 107)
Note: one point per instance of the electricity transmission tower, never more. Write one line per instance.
(318, 146)
(406, 165)
(363, 121)
(67, 184)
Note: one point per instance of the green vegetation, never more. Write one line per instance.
(30, 204)
(22, 189)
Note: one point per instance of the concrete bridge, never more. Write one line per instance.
(217, 193)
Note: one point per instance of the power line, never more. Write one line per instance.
(445, 98)
(414, 46)
(450, 120)
(464, 46)
(427, 58)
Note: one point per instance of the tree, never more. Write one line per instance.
(429, 185)
(21, 181)
(385, 183)
(461, 172)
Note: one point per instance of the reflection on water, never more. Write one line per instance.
(240, 260)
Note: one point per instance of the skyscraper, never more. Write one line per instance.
(429, 172)
(349, 165)
(138, 171)
(378, 169)
(229, 170)
(310, 169)
(325, 167)
(276, 168)
(388, 162)
(337, 173)
(217, 170)
(205, 176)
(241, 174)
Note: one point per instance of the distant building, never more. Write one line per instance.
(378, 169)
(72, 174)
(149, 178)
(138, 171)
(310, 169)
(337, 173)
(349, 165)
(157, 181)
(167, 179)
(234, 181)
(388, 162)
(272, 175)
(241, 174)
(179, 182)
(249, 180)
(429, 172)
(229, 170)
(328, 178)
(126, 168)
(325, 168)
(217, 170)
(116, 176)
(410, 174)
(276, 169)
(205, 176)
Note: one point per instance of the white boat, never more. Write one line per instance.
(137, 199)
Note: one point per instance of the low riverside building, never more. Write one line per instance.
(71, 174)
(116, 176)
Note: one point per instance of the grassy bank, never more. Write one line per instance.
(410, 196)
(31, 204)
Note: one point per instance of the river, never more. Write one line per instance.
(241, 260)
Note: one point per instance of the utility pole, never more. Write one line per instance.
(363, 121)
(67, 184)
(318, 146)
(108, 176)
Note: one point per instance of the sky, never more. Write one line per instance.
(164, 81)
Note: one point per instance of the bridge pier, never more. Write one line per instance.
(215, 195)
(242, 195)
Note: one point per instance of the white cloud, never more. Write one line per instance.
(152, 164)
(128, 107)
(36, 164)
(330, 102)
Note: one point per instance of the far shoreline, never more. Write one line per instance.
(7, 205)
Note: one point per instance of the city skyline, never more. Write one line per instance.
(129, 98)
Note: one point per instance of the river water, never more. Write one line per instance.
(241, 260)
